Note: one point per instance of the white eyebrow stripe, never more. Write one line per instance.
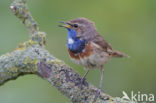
(70, 41)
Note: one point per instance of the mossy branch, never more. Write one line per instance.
(31, 58)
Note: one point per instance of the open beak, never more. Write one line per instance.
(65, 25)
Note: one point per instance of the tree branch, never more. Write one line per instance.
(31, 58)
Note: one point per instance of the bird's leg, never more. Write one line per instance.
(101, 79)
(100, 84)
(84, 77)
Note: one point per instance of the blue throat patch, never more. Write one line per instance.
(74, 44)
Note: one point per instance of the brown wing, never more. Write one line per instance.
(102, 43)
(107, 47)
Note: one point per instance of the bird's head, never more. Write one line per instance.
(80, 27)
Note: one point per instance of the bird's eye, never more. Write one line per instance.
(75, 25)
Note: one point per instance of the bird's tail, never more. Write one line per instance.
(118, 54)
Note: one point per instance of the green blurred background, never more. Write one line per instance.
(128, 25)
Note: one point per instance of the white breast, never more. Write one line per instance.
(70, 41)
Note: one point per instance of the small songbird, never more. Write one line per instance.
(87, 47)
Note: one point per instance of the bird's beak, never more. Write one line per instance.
(66, 25)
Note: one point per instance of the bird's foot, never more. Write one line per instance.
(82, 82)
(98, 92)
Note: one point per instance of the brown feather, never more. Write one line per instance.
(107, 47)
(86, 53)
(118, 54)
(101, 42)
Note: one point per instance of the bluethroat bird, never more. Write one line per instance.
(87, 47)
